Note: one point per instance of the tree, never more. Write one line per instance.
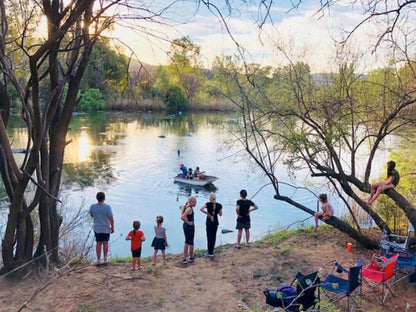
(36, 67)
(326, 129)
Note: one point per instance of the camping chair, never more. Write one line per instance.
(394, 243)
(344, 288)
(380, 270)
(406, 266)
(302, 298)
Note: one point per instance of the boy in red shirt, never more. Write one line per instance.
(136, 237)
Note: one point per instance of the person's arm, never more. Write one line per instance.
(237, 209)
(254, 207)
(184, 218)
(111, 220)
(220, 212)
(203, 209)
(143, 238)
(165, 238)
(128, 237)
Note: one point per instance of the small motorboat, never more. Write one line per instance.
(200, 182)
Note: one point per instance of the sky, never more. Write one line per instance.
(289, 34)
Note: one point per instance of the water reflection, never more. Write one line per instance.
(188, 190)
(84, 147)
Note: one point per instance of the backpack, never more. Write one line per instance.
(281, 297)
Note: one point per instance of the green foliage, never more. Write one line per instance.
(85, 307)
(91, 101)
(276, 237)
(259, 273)
(106, 70)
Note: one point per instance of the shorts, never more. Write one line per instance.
(159, 243)
(136, 253)
(189, 231)
(102, 237)
(243, 225)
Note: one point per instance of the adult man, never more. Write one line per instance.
(183, 169)
(103, 226)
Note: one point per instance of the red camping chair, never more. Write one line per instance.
(380, 271)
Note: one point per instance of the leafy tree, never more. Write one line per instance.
(37, 68)
(106, 70)
(326, 128)
(91, 101)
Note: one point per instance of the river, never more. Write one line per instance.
(132, 157)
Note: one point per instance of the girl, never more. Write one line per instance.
(391, 181)
(136, 237)
(327, 210)
(160, 241)
(187, 216)
(212, 209)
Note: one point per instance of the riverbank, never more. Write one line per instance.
(232, 281)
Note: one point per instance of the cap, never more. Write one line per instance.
(181, 165)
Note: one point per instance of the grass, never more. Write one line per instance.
(85, 307)
(276, 237)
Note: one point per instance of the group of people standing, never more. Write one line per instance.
(104, 225)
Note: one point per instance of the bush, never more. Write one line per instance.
(92, 101)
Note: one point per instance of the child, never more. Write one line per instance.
(160, 241)
(327, 210)
(136, 237)
(391, 181)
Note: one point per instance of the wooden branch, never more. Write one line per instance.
(41, 187)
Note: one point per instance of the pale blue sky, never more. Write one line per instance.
(296, 34)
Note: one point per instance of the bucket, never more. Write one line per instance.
(349, 246)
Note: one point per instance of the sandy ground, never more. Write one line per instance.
(232, 281)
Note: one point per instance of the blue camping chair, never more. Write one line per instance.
(292, 299)
(344, 287)
(406, 266)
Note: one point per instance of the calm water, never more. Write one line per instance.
(124, 156)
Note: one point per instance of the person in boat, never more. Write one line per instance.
(183, 170)
(199, 175)
(189, 175)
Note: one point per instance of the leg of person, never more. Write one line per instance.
(247, 237)
(214, 238)
(154, 257)
(105, 249)
(316, 216)
(164, 257)
(185, 253)
(373, 190)
(133, 262)
(239, 234)
(98, 251)
(191, 252)
(139, 267)
(210, 238)
(380, 190)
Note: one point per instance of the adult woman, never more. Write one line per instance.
(391, 181)
(187, 216)
(212, 209)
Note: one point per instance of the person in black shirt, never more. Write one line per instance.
(243, 209)
(212, 209)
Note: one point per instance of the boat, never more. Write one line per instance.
(200, 182)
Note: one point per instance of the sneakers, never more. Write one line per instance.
(208, 255)
(183, 261)
(191, 260)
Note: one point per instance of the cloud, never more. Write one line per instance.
(300, 35)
